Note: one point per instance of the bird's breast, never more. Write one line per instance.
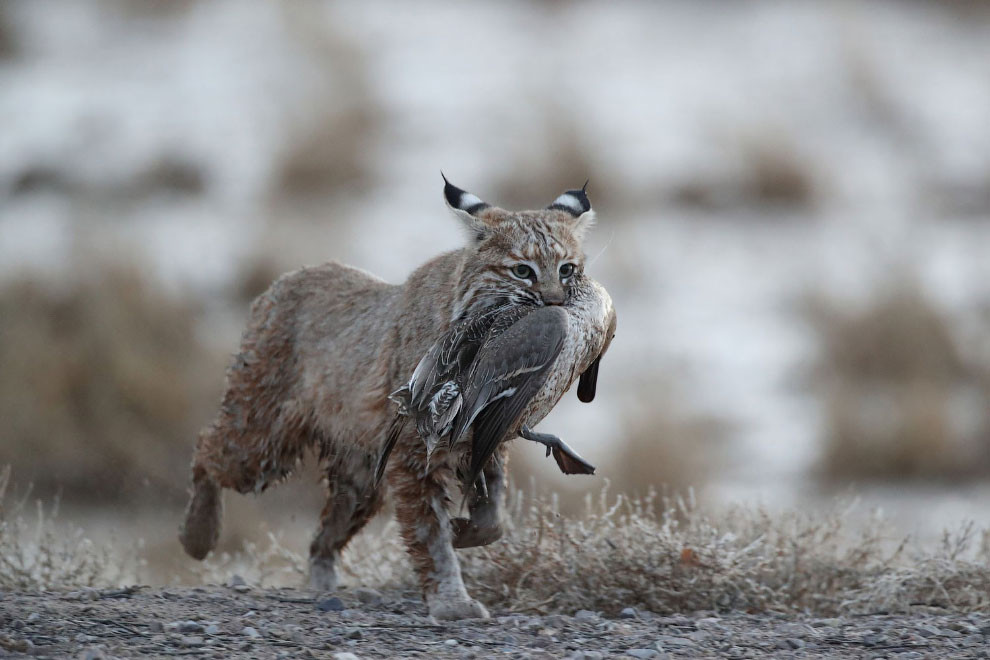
(587, 326)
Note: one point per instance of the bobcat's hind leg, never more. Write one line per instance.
(242, 462)
(420, 507)
(485, 524)
(352, 500)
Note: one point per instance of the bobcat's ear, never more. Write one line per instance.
(466, 206)
(576, 203)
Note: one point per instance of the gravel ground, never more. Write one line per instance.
(239, 621)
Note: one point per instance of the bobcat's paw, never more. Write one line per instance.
(322, 575)
(450, 609)
(468, 534)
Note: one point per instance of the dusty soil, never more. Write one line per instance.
(239, 621)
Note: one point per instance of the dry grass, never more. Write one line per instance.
(762, 170)
(672, 556)
(657, 443)
(329, 145)
(554, 158)
(663, 556)
(43, 554)
(103, 387)
(900, 400)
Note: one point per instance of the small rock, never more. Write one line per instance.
(189, 627)
(212, 629)
(236, 581)
(33, 616)
(927, 630)
(642, 654)
(586, 655)
(671, 640)
(948, 632)
(709, 623)
(242, 588)
(82, 638)
(368, 596)
(345, 655)
(910, 655)
(156, 627)
(92, 654)
(332, 604)
(795, 643)
(250, 632)
(873, 639)
(628, 613)
(827, 623)
(354, 633)
(451, 642)
(586, 615)
(191, 642)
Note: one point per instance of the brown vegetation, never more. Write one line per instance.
(900, 399)
(104, 385)
(769, 172)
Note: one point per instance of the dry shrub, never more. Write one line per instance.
(899, 399)
(765, 170)
(329, 145)
(656, 445)
(556, 158)
(672, 556)
(103, 387)
(9, 45)
(41, 554)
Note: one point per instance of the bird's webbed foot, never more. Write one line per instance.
(568, 460)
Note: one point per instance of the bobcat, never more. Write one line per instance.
(326, 346)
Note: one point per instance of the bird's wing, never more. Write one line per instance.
(509, 370)
(451, 353)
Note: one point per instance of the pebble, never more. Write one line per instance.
(332, 604)
(587, 655)
(642, 654)
(671, 640)
(33, 616)
(345, 655)
(451, 642)
(250, 632)
(92, 654)
(236, 581)
(628, 613)
(586, 615)
(156, 626)
(191, 642)
(354, 633)
(189, 627)
(212, 629)
(368, 596)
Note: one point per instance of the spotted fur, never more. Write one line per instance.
(325, 346)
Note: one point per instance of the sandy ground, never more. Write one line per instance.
(240, 621)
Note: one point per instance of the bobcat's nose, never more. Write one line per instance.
(553, 296)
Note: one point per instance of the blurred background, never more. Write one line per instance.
(794, 223)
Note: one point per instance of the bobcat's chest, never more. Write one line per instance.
(587, 327)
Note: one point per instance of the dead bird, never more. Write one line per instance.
(500, 372)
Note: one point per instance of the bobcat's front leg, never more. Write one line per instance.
(485, 524)
(420, 507)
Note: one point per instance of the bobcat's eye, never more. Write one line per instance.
(522, 271)
(566, 270)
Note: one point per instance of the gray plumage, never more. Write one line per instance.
(483, 373)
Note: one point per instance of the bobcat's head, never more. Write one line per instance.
(523, 257)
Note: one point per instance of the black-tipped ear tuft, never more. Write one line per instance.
(462, 200)
(575, 202)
